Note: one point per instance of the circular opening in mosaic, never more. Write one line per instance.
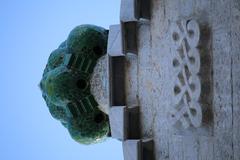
(99, 118)
(98, 51)
(81, 84)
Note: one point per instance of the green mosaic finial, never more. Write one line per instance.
(66, 84)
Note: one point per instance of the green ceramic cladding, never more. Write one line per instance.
(65, 84)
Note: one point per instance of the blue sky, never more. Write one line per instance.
(29, 31)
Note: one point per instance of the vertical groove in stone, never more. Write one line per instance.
(235, 32)
(231, 45)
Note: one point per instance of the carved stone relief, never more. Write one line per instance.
(186, 63)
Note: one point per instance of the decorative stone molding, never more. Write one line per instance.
(124, 115)
(133, 10)
(125, 122)
(138, 149)
(186, 64)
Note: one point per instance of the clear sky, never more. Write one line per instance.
(29, 31)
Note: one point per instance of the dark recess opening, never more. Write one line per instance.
(99, 118)
(81, 84)
(98, 51)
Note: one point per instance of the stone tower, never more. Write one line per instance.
(183, 82)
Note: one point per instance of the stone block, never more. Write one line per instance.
(114, 47)
(138, 149)
(124, 122)
(133, 10)
(132, 150)
(118, 122)
(129, 11)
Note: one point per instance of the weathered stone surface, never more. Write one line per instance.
(217, 138)
(222, 76)
(100, 84)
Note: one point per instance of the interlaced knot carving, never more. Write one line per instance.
(186, 64)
